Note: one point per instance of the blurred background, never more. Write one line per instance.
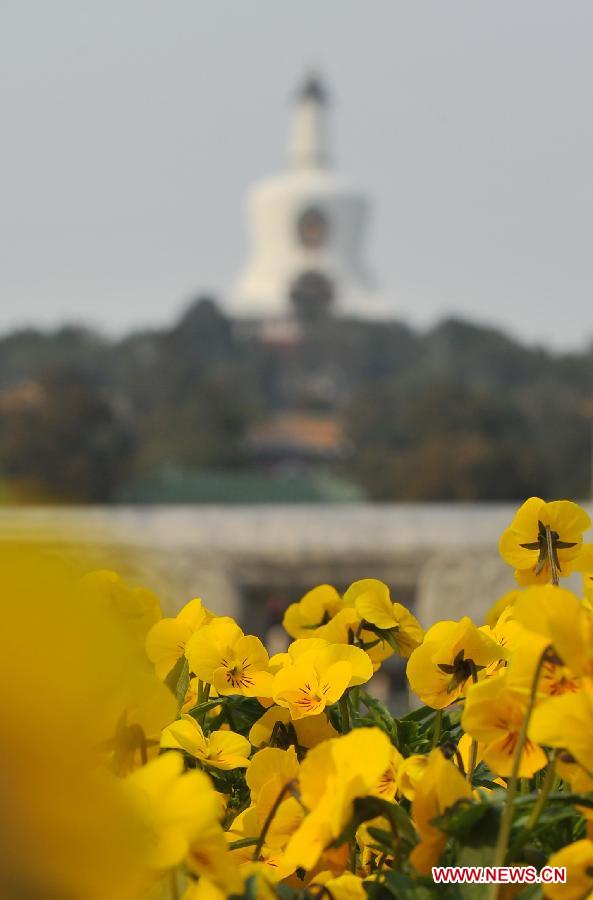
(334, 255)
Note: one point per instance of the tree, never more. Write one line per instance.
(61, 439)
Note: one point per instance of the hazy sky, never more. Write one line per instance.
(131, 129)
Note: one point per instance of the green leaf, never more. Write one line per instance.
(461, 819)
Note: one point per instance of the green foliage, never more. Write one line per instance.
(460, 412)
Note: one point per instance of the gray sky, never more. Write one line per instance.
(131, 128)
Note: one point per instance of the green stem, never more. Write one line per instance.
(543, 795)
(506, 821)
(287, 789)
(473, 755)
(473, 752)
(551, 556)
(344, 713)
(244, 842)
(436, 728)
(538, 806)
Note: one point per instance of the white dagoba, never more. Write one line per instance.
(307, 226)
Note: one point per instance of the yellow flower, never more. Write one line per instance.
(179, 809)
(451, 656)
(542, 537)
(166, 641)
(577, 858)
(315, 609)
(507, 633)
(441, 786)
(277, 726)
(562, 620)
(249, 824)
(332, 776)
(373, 604)
(503, 603)
(137, 608)
(220, 749)
(143, 710)
(386, 787)
(234, 663)
(566, 722)
(345, 887)
(319, 676)
(269, 772)
(410, 773)
(493, 715)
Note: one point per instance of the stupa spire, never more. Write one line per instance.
(309, 139)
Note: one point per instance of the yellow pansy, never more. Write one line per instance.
(503, 603)
(386, 787)
(588, 588)
(493, 715)
(450, 657)
(319, 676)
(577, 859)
(167, 639)
(315, 609)
(441, 786)
(234, 663)
(410, 773)
(507, 633)
(220, 749)
(249, 824)
(566, 722)
(137, 608)
(178, 808)
(270, 771)
(554, 679)
(345, 887)
(373, 603)
(580, 780)
(559, 617)
(332, 775)
(544, 539)
(277, 726)
(369, 848)
(144, 708)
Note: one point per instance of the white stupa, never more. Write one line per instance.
(307, 227)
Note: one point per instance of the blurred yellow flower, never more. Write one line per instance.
(332, 775)
(493, 715)
(343, 887)
(451, 656)
(143, 709)
(269, 773)
(499, 606)
(167, 639)
(249, 824)
(577, 858)
(68, 828)
(137, 608)
(566, 722)
(563, 621)
(387, 785)
(220, 749)
(410, 773)
(544, 539)
(234, 663)
(178, 808)
(440, 787)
